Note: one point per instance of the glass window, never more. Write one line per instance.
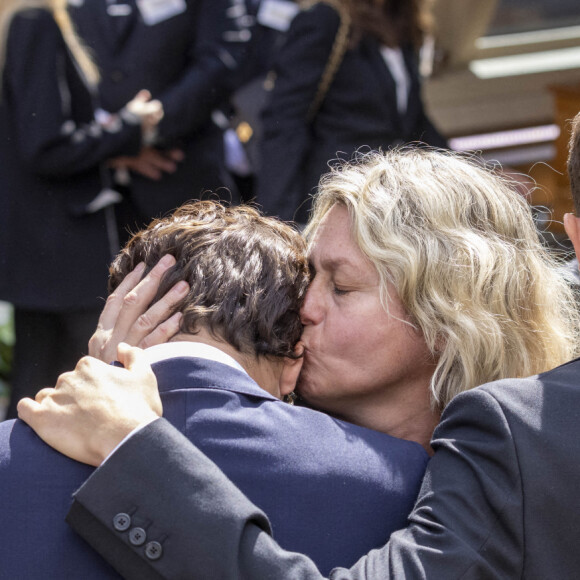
(523, 15)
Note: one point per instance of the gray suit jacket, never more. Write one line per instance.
(499, 499)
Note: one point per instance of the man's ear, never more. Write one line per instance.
(289, 375)
(572, 227)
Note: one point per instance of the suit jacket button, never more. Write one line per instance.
(117, 76)
(137, 536)
(122, 522)
(153, 550)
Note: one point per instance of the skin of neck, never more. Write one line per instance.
(410, 416)
(265, 371)
(405, 412)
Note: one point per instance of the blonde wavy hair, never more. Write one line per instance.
(460, 247)
(8, 8)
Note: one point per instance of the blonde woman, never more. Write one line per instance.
(456, 245)
(57, 224)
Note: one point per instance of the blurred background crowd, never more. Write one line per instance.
(113, 112)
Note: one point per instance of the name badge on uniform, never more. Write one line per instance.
(156, 11)
(277, 14)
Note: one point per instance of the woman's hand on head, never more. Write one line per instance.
(127, 316)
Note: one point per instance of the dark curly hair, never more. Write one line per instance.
(248, 273)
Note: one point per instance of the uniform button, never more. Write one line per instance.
(137, 536)
(122, 522)
(153, 550)
(117, 76)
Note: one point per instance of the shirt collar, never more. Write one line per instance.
(186, 348)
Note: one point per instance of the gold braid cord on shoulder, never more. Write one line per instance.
(339, 48)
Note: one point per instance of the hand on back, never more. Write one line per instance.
(93, 408)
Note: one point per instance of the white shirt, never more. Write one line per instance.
(395, 61)
(176, 349)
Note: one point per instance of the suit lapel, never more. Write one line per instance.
(119, 19)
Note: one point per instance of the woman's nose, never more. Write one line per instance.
(312, 310)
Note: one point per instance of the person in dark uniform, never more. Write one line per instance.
(270, 20)
(373, 99)
(185, 53)
(222, 379)
(57, 221)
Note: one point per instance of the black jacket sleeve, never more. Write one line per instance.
(53, 136)
(185, 476)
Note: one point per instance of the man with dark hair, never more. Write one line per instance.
(239, 279)
(247, 276)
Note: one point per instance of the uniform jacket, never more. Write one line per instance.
(186, 57)
(499, 498)
(54, 253)
(359, 111)
(320, 479)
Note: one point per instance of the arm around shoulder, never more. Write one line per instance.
(188, 515)
(466, 523)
